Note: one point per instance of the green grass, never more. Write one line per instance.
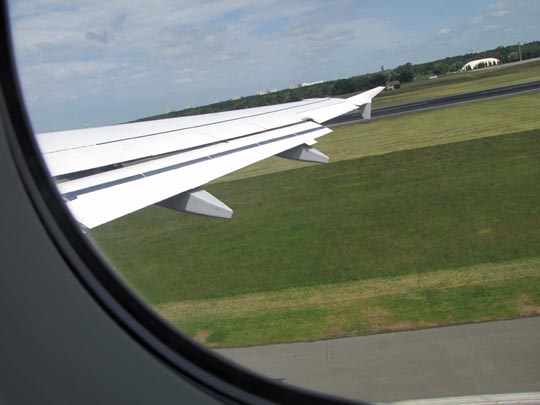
(470, 294)
(406, 212)
(462, 82)
(467, 303)
(420, 220)
(265, 327)
(428, 128)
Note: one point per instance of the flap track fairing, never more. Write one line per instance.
(198, 202)
(304, 153)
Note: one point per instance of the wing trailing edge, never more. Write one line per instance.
(166, 162)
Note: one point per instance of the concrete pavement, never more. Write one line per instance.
(484, 358)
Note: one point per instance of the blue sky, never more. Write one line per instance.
(99, 62)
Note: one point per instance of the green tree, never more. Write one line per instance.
(406, 76)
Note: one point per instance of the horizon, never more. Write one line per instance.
(93, 64)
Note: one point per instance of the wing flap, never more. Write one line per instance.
(97, 199)
(75, 151)
(161, 159)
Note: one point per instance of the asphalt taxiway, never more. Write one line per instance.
(437, 103)
(484, 358)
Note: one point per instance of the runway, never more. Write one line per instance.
(437, 103)
(484, 358)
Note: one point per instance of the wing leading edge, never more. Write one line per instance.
(166, 162)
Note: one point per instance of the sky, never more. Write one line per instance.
(90, 63)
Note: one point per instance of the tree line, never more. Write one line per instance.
(403, 73)
(505, 54)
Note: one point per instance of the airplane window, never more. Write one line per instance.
(341, 196)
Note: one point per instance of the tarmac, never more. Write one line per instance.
(498, 357)
(439, 102)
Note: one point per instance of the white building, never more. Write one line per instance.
(475, 63)
(311, 83)
(267, 91)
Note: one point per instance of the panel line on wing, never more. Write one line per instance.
(69, 196)
(110, 167)
(193, 126)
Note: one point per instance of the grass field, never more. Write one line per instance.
(462, 82)
(446, 125)
(420, 220)
(482, 292)
(412, 215)
(407, 212)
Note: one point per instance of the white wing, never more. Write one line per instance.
(165, 161)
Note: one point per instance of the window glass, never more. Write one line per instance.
(337, 277)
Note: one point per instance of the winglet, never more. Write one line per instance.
(366, 111)
(365, 97)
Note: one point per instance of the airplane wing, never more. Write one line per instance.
(109, 172)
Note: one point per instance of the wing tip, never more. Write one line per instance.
(366, 96)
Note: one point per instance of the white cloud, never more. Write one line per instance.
(500, 12)
(504, 8)
(139, 58)
(477, 19)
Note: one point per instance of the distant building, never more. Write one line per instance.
(311, 83)
(267, 91)
(392, 85)
(480, 63)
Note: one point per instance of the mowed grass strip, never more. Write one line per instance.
(330, 294)
(461, 82)
(469, 294)
(414, 211)
(428, 128)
